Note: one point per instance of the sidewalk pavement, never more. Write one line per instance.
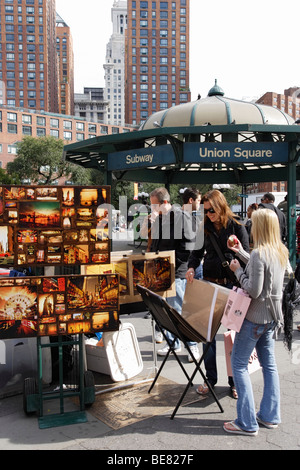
(195, 427)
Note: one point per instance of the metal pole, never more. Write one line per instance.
(81, 372)
(61, 374)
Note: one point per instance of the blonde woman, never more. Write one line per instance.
(263, 280)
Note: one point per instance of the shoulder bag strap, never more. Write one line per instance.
(224, 261)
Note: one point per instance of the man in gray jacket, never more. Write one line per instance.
(172, 230)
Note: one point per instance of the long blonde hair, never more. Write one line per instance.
(266, 236)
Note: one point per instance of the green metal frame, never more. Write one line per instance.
(35, 401)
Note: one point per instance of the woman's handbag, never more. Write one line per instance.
(235, 309)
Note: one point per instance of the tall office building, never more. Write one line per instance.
(29, 61)
(64, 49)
(115, 66)
(157, 57)
(90, 105)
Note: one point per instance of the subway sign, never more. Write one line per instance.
(141, 158)
(195, 152)
(240, 152)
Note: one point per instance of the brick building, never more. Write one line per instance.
(18, 123)
(29, 71)
(289, 101)
(37, 63)
(156, 57)
(64, 49)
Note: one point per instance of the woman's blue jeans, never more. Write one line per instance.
(261, 337)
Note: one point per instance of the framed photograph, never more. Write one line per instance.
(45, 306)
(18, 310)
(151, 270)
(154, 271)
(47, 226)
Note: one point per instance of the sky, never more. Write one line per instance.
(250, 48)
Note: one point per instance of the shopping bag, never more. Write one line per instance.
(253, 364)
(203, 306)
(235, 309)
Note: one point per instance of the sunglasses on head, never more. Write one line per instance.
(211, 211)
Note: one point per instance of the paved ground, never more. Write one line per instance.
(195, 427)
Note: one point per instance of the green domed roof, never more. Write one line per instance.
(217, 109)
(216, 90)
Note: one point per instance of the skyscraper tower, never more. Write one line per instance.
(29, 70)
(64, 49)
(115, 66)
(157, 57)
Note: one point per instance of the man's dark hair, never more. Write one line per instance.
(190, 192)
(269, 196)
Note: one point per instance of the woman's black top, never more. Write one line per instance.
(212, 265)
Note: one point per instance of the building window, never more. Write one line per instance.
(80, 126)
(92, 128)
(12, 117)
(26, 130)
(54, 122)
(12, 149)
(40, 131)
(12, 128)
(26, 119)
(67, 135)
(67, 124)
(41, 121)
(54, 133)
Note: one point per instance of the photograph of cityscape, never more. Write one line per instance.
(154, 274)
(47, 226)
(47, 306)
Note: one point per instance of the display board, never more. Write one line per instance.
(54, 225)
(203, 306)
(58, 305)
(156, 271)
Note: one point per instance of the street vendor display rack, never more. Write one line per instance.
(56, 226)
(34, 396)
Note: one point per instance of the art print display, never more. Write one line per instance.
(154, 274)
(151, 270)
(46, 226)
(58, 305)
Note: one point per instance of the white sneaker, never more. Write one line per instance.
(164, 351)
(158, 337)
(195, 352)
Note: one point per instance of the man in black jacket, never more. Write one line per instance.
(172, 230)
(267, 202)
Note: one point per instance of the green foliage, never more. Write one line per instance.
(41, 161)
(125, 188)
(8, 179)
